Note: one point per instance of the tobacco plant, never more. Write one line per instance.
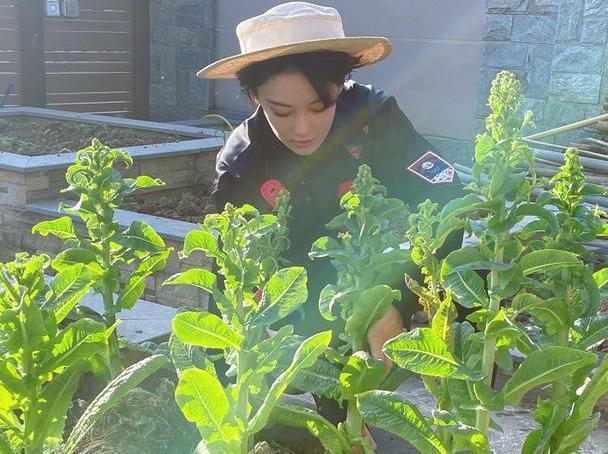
(247, 247)
(439, 353)
(368, 260)
(503, 180)
(564, 304)
(104, 247)
(41, 363)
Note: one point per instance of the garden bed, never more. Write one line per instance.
(35, 136)
(188, 204)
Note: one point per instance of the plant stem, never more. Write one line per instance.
(110, 312)
(354, 420)
(241, 370)
(560, 388)
(489, 347)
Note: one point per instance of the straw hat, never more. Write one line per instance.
(294, 28)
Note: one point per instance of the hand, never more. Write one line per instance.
(389, 326)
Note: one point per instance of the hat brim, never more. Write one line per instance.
(370, 49)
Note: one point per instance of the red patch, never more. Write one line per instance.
(355, 151)
(258, 294)
(344, 187)
(270, 190)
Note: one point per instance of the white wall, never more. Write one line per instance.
(432, 71)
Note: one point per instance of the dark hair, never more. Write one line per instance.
(321, 68)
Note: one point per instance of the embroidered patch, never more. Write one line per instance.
(433, 168)
(270, 190)
(344, 187)
(355, 151)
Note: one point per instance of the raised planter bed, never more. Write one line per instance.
(30, 185)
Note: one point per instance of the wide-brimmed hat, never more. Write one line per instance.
(294, 28)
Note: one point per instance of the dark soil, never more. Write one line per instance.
(34, 136)
(189, 206)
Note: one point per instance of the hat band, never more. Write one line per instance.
(284, 33)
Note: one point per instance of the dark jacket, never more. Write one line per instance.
(369, 127)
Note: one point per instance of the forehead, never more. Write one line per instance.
(288, 88)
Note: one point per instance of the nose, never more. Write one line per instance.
(302, 127)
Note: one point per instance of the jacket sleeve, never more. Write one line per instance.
(398, 146)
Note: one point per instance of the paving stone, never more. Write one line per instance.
(508, 6)
(504, 54)
(569, 20)
(596, 8)
(561, 113)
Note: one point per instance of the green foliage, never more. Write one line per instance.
(104, 248)
(247, 247)
(369, 262)
(41, 363)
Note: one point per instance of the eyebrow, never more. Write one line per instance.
(277, 103)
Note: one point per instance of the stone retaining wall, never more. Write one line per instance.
(558, 49)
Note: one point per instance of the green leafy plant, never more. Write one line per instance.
(247, 247)
(368, 260)
(564, 303)
(104, 248)
(439, 353)
(41, 363)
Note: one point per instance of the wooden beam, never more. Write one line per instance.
(141, 15)
(31, 32)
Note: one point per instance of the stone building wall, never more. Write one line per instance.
(558, 49)
(182, 41)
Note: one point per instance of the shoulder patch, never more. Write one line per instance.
(433, 168)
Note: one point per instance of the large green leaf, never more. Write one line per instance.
(424, 352)
(73, 256)
(295, 416)
(596, 333)
(551, 311)
(136, 284)
(601, 277)
(329, 297)
(284, 292)
(594, 390)
(321, 378)
(325, 247)
(550, 414)
(46, 420)
(466, 285)
(205, 330)
(548, 260)
(533, 209)
(201, 240)
(198, 277)
(143, 237)
(78, 342)
(544, 366)
(204, 402)
(389, 412)
(361, 373)
(111, 394)
(67, 289)
(305, 356)
(188, 356)
(61, 227)
(370, 307)
(443, 319)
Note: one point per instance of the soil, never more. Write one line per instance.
(191, 206)
(33, 136)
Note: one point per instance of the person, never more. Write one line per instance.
(311, 130)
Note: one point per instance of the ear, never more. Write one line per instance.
(254, 97)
